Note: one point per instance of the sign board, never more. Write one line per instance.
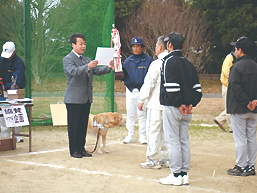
(59, 114)
(15, 116)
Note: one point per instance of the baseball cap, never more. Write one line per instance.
(176, 39)
(137, 41)
(234, 43)
(244, 43)
(8, 49)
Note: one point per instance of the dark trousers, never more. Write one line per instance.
(77, 117)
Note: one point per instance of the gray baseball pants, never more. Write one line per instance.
(244, 133)
(175, 127)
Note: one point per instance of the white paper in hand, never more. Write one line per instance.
(104, 55)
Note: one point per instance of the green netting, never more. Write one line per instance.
(52, 23)
(94, 21)
(107, 100)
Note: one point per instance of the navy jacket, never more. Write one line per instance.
(135, 68)
(179, 81)
(242, 87)
(14, 67)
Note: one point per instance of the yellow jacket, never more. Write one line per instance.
(228, 62)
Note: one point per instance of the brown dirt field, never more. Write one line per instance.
(49, 168)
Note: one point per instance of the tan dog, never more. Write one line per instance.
(104, 121)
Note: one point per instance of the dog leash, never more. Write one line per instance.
(100, 127)
(98, 134)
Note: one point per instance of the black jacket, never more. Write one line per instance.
(179, 81)
(242, 87)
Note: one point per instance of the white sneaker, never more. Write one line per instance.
(128, 139)
(150, 165)
(185, 180)
(142, 140)
(171, 180)
(164, 163)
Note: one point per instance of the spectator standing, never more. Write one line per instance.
(241, 104)
(134, 69)
(223, 116)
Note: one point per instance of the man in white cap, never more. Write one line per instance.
(11, 65)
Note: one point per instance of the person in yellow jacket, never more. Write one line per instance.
(223, 116)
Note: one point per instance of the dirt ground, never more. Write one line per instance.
(49, 168)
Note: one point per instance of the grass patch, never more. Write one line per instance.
(54, 83)
(210, 86)
(57, 83)
(193, 128)
(198, 132)
(196, 121)
(42, 106)
(43, 128)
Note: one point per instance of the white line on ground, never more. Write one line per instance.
(91, 172)
(212, 154)
(104, 173)
(65, 149)
(205, 125)
(79, 170)
(35, 153)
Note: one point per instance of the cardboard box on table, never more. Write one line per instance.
(16, 94)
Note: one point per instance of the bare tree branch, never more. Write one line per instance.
(157, 18)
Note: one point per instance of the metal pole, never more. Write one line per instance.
(112, 21)
(19, 40)
(27, 46)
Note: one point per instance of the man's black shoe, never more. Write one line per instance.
(85, 154)
(251, 170)
(76, 155)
